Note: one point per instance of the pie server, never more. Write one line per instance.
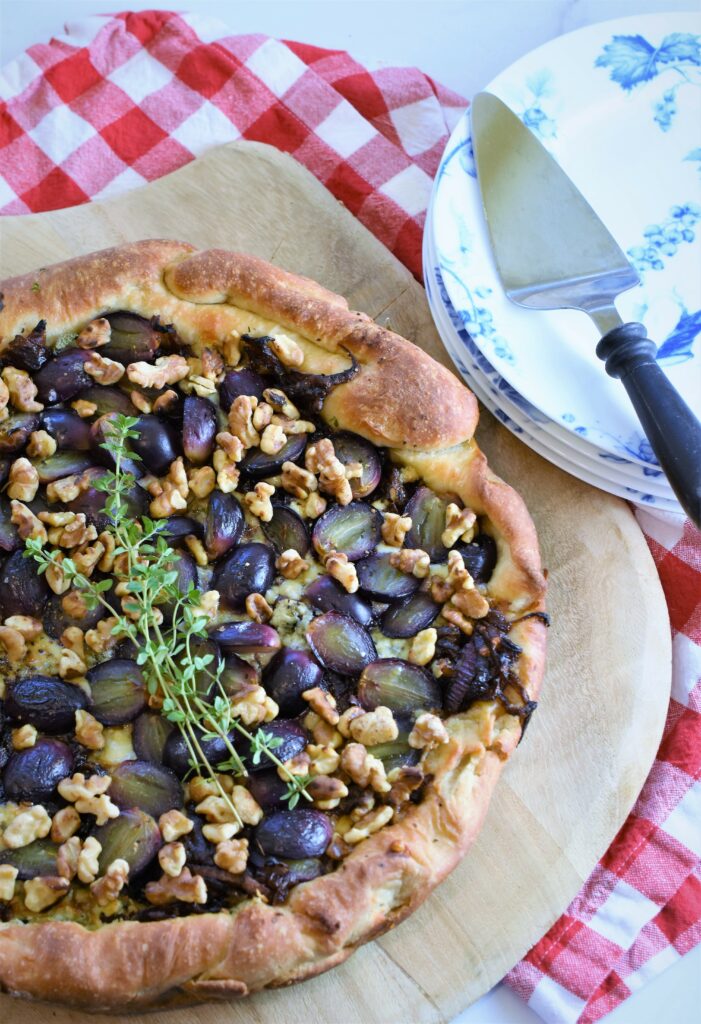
(553, 252)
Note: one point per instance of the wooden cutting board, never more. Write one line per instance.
(590, 745)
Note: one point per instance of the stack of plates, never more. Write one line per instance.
(619, 106)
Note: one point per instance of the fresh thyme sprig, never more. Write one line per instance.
(167, 644)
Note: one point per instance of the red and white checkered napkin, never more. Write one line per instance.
(118, 101)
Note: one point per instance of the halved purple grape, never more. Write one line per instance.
(33, 773)
(267, 789)
(427, 513)
(177, 528)
(287, 676)
(406, 618)
(63, 377)
(91, 501)
(134, 837)
(224, 525)
(398, 685)
(340, 643)
(62, 464)
(185, 565)
(149, 736)
(295, 834)
(22, 590)
(102, 431)
(177, 755)
(240, 382)
(38, 858)
(246, 637)
(327, 595)
(198, 850)
(28, 351)
(67, 428)
(5, 465)
(200, 426)
(379, 578)
(157, 443)
(57, 619)
(351, 448)
(15, 431)
(10, 540)
(146, 785)
(133, 339)
(480, 557)
(238, 675)
(396, 753)
(117, 691)
(293, 740)
(353, 530)
(287, 530)
(108, 400)
(257, 464)
(45, 702)
(249, 569)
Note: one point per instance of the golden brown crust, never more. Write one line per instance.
(401, 399)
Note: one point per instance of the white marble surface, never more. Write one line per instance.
(463, 45)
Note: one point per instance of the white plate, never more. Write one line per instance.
(454, 341)
(619, 105)
(619, 473)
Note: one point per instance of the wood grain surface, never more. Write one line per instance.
(589, 746)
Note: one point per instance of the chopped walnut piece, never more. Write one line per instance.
(221, 832)
(297, 765)
(232, 855)
(323, 733)
(101, 639)
(364, 768)
(297, 481)
(338, 566)
(28, 525)
(288, 351)
(291, 564)
(109, 543)
(411, 560)
(8, 877)
(246, 807)
(87, 557)
(67, 858)
(327, 792)
(77, 787)
(140, 402)
(24, 737)
(44, 891)
(71, 666)
(347, 718)
(165, 402)
(322, 703)
(103, 370)
(198, 788)
(88, 867)
(374, 727)
(41, 445)
(281, 403)
(258, 501)
(456, 578)
(65, 490)
(216, 810)
(84, 408)
(240, 420)
(23, 390)
(262, 415)
(314, 506)
(76, 532)
(208, 606)
(423, 647)
(227, 472)
(456, 618)
(95, 334)
(470, 602)
(166, 370)
(34, 823)
(232, 446)
(4, 399)
(14, 644)
(170, 493)
(273, 439)
(320, 458)
(197, 550)
(23, 482)
(258, 608)
(88, 731)
(323, 758)
(395, 529)
(108, 888)
(186, 888)
(459, 525)
(202, 481)
(405, 781)
(254, 706)
(29, 627)
(64, 824)
(371, 822)
(174, 824)
(101, 806)
(171, 857)
(428, 732)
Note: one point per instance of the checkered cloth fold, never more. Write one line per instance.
(119, 101)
